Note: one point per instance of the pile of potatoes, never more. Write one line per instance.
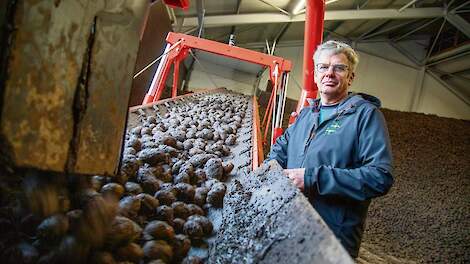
(172, 172)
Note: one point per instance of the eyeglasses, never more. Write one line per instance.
(337, 68)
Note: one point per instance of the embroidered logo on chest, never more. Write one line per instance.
(331, 129)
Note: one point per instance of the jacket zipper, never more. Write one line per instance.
(315, 128)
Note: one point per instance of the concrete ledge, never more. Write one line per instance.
(266, 219)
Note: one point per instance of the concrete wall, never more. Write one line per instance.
(436, 99)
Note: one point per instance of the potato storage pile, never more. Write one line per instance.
(425, 216)
(177, 158)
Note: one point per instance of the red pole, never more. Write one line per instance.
(315, 12)
(176, 71)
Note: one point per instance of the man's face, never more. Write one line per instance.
(333, 75)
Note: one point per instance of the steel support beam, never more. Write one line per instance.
(435, 39)
(407, 5)
(449, 87)
(275, 7)
(265, 18)
(374, 28)
(417, 91)
(405, 53)
(200, 16)
(387, 59)
(415, 29)
(389, 29)
(449, 55)
(461, 24)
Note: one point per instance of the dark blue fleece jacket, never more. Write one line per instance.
(348, 161)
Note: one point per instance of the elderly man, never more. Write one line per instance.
(338, 150)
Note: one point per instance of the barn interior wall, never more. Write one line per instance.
(436, 99)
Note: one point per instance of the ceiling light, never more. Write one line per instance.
(331, 1)
(298, 7)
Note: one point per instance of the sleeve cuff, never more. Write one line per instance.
(310, 182)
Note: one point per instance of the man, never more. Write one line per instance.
(338, 150)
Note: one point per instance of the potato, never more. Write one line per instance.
(200, 160)
(181, 246)
(200, 195)
(20, 253)
(171, 151)
(193, 229)
(204, 222)
(215, 196)
(122, 231)
(169, 187)
(129, 167)
(228, 167)
(169, 141)
(134, 143)
(214, 169)
(136, 130)
(145, 131)
(199, 177)
(129, 207)
(178, 225)
(133, 188)
(102, 257)
(195, 210)
(153, 156)
(185, 192)
(53, 228)
(150, 184)
(182, 177)
(165, 213)
(113, 189)
(73, 250)
(158, 230)
(180, 210)
(195, 151)
(130, 252)
(156, 261)
(97, 182)
(74, 218)
(165, 197)
(149, 204)
(98, 213)
(158, 249)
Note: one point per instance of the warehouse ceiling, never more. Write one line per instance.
(433, 34)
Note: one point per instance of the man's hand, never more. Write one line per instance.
(297, 176)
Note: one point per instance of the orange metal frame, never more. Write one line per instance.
(257, 149)
(181, 46)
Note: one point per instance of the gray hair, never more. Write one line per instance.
(336, 47)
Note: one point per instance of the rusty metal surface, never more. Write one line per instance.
(67, 87)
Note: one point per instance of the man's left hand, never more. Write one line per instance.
(297, 176)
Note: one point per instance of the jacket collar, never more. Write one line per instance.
(350, 103)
